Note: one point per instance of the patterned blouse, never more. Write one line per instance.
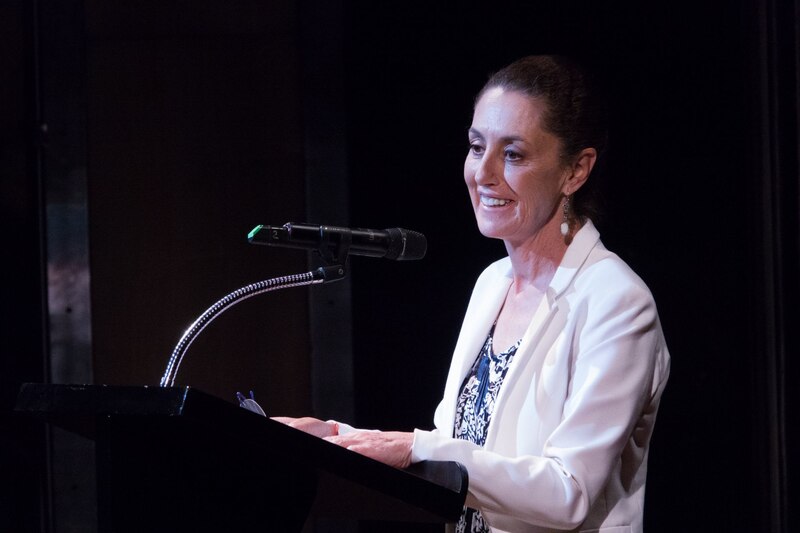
(474, 411)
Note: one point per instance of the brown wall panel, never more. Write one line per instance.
(194, 138)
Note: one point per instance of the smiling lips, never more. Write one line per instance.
(493, 202)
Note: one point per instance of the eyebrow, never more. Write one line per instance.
(505, 139)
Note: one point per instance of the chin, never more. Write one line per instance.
(490, 231)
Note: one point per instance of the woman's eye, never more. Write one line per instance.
(475, 149)
(511, 155)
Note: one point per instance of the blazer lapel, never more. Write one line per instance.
(528, 349)
(484, 307)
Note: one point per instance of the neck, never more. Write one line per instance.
(535, 260)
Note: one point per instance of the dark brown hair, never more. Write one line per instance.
(576, 111)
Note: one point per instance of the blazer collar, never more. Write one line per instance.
(574, 258)
(492, 296)
(577, 252)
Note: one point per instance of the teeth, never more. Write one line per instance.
(485, 200)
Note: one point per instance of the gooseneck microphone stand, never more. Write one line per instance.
(278, 476)
(325, 274)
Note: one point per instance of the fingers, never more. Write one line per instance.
(391, 448)
(309, 425)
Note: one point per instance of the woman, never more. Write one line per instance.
(556, 377)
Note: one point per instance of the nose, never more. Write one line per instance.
(488, 169)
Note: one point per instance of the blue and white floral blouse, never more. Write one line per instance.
(474, 411)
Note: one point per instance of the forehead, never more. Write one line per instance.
(508, 112)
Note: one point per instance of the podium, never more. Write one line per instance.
(177, 459)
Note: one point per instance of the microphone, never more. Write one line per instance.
(392, 243)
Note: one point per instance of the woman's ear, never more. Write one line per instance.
(581, 168)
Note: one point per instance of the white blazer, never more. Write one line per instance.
(567, 445)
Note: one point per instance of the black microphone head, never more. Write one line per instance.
(405, 245)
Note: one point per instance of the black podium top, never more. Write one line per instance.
(349, 484)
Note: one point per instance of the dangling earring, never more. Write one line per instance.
(565, 223)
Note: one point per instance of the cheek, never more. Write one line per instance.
(537, 197)
(469, 173)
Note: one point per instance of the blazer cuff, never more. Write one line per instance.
(422, 449)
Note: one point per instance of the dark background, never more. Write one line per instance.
(175, 127)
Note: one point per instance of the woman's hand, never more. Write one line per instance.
(310, 425)
(389, 447)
